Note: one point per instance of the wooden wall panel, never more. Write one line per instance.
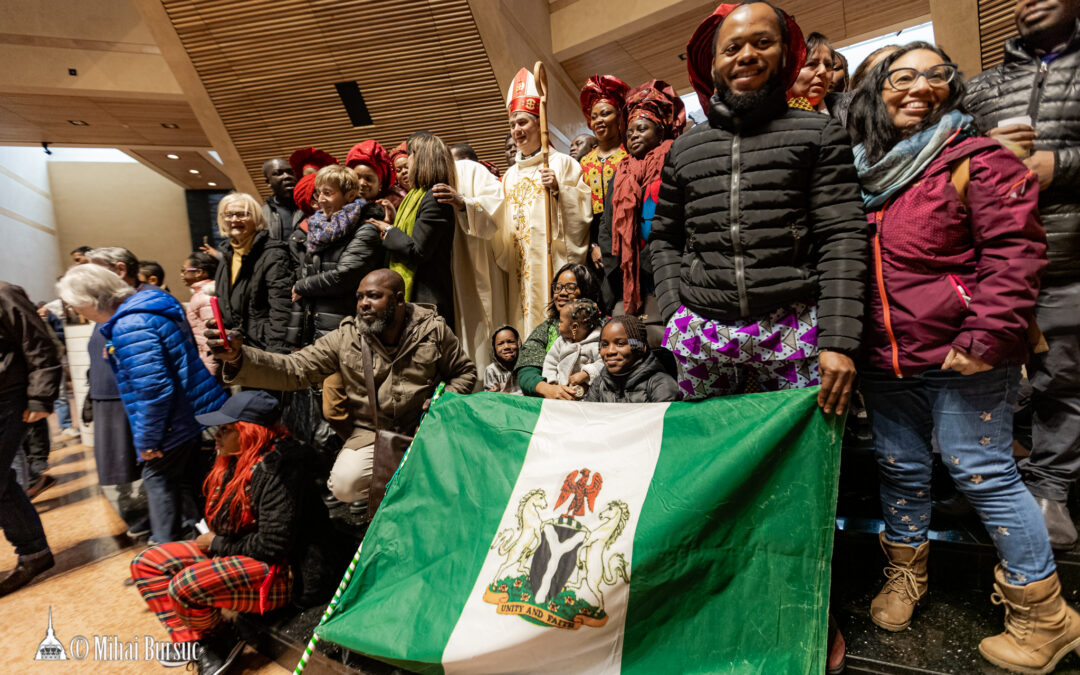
(270, 70)
(996, 25)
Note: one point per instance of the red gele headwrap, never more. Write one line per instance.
(657, 101)
(606, 88)
(374, 155)
(399, 151)
(303, 192)
(313, 157)
(699, 53)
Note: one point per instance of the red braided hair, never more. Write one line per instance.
(255, 442)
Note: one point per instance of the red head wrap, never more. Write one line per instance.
(657, 101)
(700, 52)
(313, 157)
(399, 151)
(303, 192)
(606, 88)
(375, 156)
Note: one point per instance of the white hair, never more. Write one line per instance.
(110, 255)
(250, 205)
(93, 285)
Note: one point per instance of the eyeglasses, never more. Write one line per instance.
(902, 79)
(236, 215)
(569, 286)
(188, 270)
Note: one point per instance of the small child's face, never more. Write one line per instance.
(566, 324)
(330, 199)
(615, 349)
(506, 346)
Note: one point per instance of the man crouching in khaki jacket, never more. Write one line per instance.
(412, 350)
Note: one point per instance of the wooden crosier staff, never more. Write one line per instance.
(540, 75)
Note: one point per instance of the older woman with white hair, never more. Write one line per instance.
(162, 383)
(255, 278)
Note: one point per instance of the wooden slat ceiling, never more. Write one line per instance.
(270, 70)
(657, 52)
(996, 25)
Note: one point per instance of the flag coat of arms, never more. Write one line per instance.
(523, 536)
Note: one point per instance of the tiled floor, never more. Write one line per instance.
(85, 590)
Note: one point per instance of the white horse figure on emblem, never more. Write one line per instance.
(518, 545)
(596, 565)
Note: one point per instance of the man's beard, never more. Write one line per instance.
(380, 323)
(744, 102)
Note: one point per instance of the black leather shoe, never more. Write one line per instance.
(218, 650)
(1058, 523)
(24, 572)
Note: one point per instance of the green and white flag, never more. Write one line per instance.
(524, 536)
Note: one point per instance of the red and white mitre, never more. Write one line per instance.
(523, 95)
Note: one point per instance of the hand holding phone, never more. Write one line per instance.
(218, 321)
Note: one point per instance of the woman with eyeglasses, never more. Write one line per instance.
(958, 249)
(255, 278)
(572, 282)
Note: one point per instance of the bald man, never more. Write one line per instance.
(281, 213)
(412, 350)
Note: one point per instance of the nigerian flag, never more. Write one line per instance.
(524, 535)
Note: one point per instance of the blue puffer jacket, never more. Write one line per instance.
(161, 378)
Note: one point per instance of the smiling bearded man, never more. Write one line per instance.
(759, 243)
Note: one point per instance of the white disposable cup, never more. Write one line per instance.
(1013, 121)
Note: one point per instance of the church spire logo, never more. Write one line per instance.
(50, 648)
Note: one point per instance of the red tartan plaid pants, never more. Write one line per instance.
(187, 589)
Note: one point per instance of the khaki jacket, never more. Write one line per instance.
(428, 353)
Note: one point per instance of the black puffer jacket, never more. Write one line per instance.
(328, 279)
(648, 382)
(428, 251)
(259, 304)
(758, 213)
(291, 524)
(1049, 94)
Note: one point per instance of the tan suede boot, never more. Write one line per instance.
(905, 586)
(1040, 628)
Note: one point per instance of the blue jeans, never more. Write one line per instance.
(972, 418)
(171, 484)
(19, 520)
(62, 407)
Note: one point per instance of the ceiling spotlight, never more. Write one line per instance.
(79, 123)
(212, 184)
(172, 156)
(194, 171)
(170, 125)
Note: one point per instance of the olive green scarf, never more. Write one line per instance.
(404, 221)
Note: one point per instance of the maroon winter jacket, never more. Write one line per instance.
(957, 272)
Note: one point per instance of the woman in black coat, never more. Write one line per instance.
(254, 277)
(421, 239)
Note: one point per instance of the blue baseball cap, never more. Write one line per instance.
(255, 406)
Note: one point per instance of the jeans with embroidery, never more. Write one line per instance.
(971, 417)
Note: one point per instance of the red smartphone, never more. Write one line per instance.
(217, 319)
